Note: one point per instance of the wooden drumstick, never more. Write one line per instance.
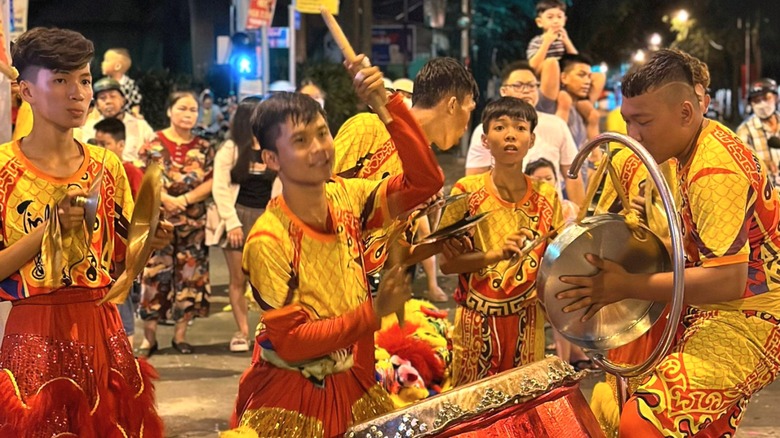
(349, 53)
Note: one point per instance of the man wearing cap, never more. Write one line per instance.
(761, 130)
(110, 102)
(404, 87)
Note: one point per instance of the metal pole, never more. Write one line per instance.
(291, 32)
(232, 18)
(465, 46)
(266, 58)
(406, 40)
(747, 55)
(464, 34)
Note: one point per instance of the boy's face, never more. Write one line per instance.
(552, 19)
(106, 140)
(109, 103)
(521, 84)
(62, 98)
(577, 80)
(508, 139)
(660, 122)
(304, 153)
(112, 62)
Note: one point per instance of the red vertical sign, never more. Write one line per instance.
(260, 14)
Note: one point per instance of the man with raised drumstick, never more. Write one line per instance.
(312, 373)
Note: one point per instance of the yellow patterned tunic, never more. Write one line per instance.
(364, 149)
(27, 199)
(311, 277)
(499, 324)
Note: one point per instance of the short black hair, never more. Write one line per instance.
(440, 78)
(113, 127)
(544, 5)
(271, 113)
(509, 106)
(569, 59)
(537, 164)
(178, 95)
(54, 49)
(664, 67)
(514, 66)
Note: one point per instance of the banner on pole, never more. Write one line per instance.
(313, 6)
(18, 25)
(260, 13)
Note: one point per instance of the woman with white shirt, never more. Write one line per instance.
(241, 190)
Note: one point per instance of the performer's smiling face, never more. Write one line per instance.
(304, 152)
(62, 97)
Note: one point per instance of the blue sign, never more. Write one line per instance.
(279, 37)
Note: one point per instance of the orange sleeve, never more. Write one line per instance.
(421, 177)
(296, 337)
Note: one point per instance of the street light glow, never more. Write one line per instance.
(603, 67)
(639, 56)
(655, 40)
(244, 65)
(682, 15)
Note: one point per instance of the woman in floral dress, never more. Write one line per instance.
(176, 279)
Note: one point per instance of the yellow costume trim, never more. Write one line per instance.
(141, 378)
(16, 387)
(374, 402)
(282, 423)
(240, 432)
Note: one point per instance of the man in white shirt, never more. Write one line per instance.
(109, 101)
(553, 138)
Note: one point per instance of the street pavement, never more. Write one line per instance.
(195, 393)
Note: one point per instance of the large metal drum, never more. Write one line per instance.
(608, 236)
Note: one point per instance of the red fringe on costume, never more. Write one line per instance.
(68, 370)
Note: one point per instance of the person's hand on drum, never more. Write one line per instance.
(605, 287)
(70, 210)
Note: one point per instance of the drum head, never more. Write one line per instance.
(609, 237)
